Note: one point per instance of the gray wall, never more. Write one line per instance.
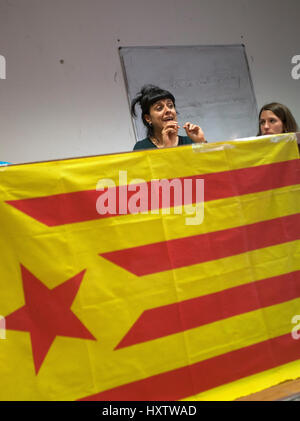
(64, 93)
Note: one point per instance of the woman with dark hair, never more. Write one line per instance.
(275, 118)
(160, 118)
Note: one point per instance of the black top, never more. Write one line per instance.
(147, 144)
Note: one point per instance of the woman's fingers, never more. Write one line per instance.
(173, 124)
(169, 133)
(170, 127)
(191, 127)
(194, 132)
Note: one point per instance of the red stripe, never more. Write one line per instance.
(205, 375)
(173, 254)
(80, 206)
(174, 318)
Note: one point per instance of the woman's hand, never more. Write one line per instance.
(170, 134)
(194, 132)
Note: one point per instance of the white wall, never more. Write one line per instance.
(51, 109)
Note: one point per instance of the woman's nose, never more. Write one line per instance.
(168, 109)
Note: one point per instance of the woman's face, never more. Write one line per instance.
(270, 123)
(160, 113)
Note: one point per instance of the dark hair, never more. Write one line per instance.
(148, 95)
(282, 112)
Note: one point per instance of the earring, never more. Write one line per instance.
(150, 124)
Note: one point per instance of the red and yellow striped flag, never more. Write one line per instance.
(109, 293)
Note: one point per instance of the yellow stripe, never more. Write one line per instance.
(150, 228)
(215, 276)
(251, 384)
(72, 175)
(218, 215)
(104, 281)
(221, 156)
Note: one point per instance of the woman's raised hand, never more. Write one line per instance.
(194, 132)
(170, 134)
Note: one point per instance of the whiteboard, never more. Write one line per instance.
(211, 84)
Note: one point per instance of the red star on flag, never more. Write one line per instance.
(47, 314)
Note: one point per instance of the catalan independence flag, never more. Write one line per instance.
(103, 298)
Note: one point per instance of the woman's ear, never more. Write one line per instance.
(148, 119)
